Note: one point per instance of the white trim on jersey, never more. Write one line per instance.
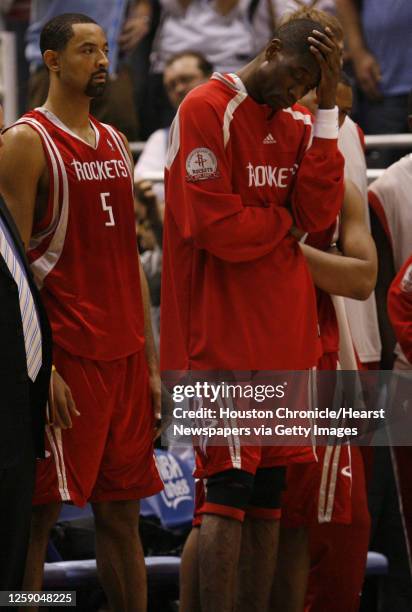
(42, 266)
(173, 144)
(228, 116)
(57, 450)
(298, 116)
(217, 76)
(122, 150)
(233, 441)
(58, 123)
(36, 240)
(307, 120)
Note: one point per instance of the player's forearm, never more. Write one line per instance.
(151, 353)
(340, 275)
(251, 233)
(348, 12)
(318, 193)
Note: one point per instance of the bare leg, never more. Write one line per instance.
(189, 574)
(43, 519)
(289, 588)
(219, 547)
(119, 555)
(257, 563)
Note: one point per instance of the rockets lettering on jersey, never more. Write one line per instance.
(100, 170)
(259, 176)
(83, 250)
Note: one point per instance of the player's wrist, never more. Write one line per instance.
(326, 123)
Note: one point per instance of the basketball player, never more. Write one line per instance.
(326, 501)
(391, 216)
(68, 181)
(236, 293)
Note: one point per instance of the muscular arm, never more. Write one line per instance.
(22, 165)
(354, 274)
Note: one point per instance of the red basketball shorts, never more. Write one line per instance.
(108, 453)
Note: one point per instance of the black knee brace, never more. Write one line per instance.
(231, 488)
(267, 487)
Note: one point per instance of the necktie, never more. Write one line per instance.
(31, 329)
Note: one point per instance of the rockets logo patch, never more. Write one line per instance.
(406, 282)
(201, 164)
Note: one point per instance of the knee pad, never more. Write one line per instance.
(267, 488)
(231, 488)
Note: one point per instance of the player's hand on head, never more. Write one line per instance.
(328, 55)
(63, 406)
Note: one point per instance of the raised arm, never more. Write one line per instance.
(318, 193)
(353, 274)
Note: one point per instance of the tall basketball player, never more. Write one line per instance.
(68, 181)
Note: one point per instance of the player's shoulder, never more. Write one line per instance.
(23, 138)
(395, 178)
(212, 96)
(297, 114)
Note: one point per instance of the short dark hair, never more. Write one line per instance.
(294, 35)
(202, 63)
(410, 104)
(58, 31)
(326, 19)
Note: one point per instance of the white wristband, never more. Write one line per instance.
(326, 123)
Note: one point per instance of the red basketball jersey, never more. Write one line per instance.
(83, 251)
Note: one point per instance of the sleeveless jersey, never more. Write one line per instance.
(83, 250)
(390, 199)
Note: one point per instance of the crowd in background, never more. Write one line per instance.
(144, 34)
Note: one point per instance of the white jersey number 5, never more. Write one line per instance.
(107, 208)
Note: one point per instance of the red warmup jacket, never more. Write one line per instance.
(400, 307)
(236, 292)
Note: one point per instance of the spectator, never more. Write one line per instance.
(126, 23)
(222, 31)
(182, 73)
(379, 38)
